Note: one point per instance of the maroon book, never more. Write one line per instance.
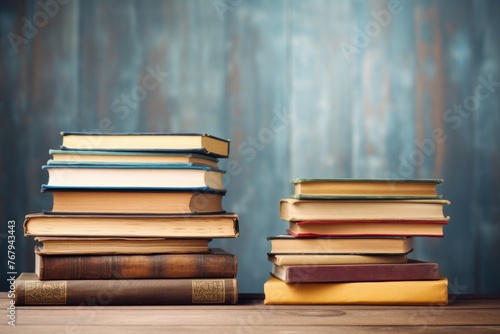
(413, 270)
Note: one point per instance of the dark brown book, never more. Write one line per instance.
(32, 291)
(413, 270)
(218, 264)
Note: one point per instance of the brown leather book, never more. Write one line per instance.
(218, 264)
(413, 270)
(32, 291)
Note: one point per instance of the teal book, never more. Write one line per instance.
(64, 157)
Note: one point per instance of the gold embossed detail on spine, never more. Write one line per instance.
(53, 292)
(208, 291)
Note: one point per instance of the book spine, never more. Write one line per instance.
(360, 273)
(74, 267)
(126, 292)
(434, 292)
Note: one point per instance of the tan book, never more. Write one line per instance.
(327, 259)
(128, 201)
(376, 210)
(168, 226)
(115, 245)
(110, 157)
(368, 228)
(169, 142)
(286, 244)
(367, 188)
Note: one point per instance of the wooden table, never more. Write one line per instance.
(465, 314)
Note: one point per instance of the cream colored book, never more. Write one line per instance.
(374, 210)
(325, 259)
(64, 157)
(165, 142)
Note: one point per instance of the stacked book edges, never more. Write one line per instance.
(348, 241)
(131, 223)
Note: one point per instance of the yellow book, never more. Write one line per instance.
(432, 292)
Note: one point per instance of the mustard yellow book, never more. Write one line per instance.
(431, 292)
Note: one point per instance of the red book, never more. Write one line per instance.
(413, 270)
(407, 228)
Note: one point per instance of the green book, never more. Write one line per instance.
(366, 188)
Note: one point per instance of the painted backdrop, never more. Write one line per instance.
(302, 88)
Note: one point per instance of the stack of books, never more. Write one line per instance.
(348, 241)
(131, 223)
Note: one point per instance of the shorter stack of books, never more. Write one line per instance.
(348, 240)
(131, 223)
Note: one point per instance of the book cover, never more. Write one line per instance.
(172, 226)
(329, 259)
(159, 141)
(127, 201)
(117, 245)
(289, 245)
(416, 209)
(366, 188)
(431, 292)
(135, 176)
(413, 270)
(218, 264)
(367, 228)
(31, 291)
(93, 157)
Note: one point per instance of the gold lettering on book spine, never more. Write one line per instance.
(48, 293)
(208, 291)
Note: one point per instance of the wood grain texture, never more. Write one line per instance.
(273, 78)
(465, 315)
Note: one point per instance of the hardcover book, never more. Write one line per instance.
(116, 245)
(32, 291)
(366, 188)
(411, 271)
(300, 210)
(218, 264)
(172, 226)
(286, 244)
(135, 176)
(63, 157)
(430, 292)
(168, 142)
(329, 259)
(367, 228)
(157, 201)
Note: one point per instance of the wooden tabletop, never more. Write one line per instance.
(464, 314)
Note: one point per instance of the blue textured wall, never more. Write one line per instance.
(302, 88)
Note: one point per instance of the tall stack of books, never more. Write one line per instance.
(131, 223)
(348, 241)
